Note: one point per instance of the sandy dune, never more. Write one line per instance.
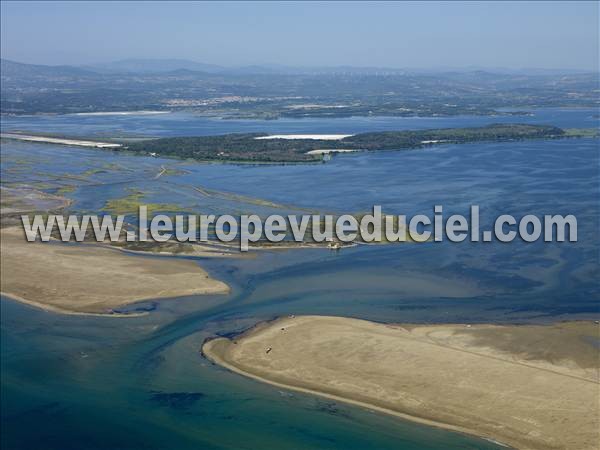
(531, 387)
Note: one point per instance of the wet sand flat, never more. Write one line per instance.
(530, 387)
(75, 278)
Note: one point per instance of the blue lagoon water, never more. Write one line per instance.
(73, 382)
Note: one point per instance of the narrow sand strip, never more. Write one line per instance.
(51, 140)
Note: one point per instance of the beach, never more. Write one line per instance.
(86, 279)
(528, 386)
(52, 140)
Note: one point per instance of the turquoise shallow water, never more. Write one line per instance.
(98, 383)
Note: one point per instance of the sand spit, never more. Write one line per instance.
(531, 387)
(78, 279)
(51, 140)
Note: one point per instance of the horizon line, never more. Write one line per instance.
(469, 68)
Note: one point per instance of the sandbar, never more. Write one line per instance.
(78, 279)
(526, 386)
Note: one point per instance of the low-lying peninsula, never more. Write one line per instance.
(530, 386)
(253, 147)
(265, 148)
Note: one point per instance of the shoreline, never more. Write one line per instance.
(216, 359)
(59, 141)
(284, 373)
(501, 111)
(142, 112)
(69, 312)
(95, 280)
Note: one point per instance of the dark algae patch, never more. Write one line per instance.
(175, 400)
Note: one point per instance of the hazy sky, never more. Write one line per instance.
(411, 35)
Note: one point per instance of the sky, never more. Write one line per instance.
(426, 35)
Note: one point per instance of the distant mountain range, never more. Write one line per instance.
(135, 65)
(163, 66)
(14, 69)
(274, 91)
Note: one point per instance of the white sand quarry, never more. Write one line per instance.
(322, 137)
